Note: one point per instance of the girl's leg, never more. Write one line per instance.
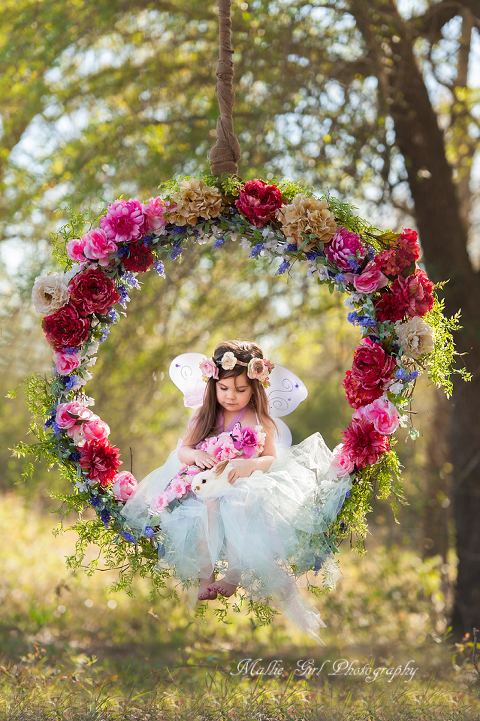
(227, 585)
(207, 537)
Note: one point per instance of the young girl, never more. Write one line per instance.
(276, 510)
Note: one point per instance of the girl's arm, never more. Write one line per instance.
(188, 454)
(245, 468)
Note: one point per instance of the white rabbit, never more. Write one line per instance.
(211, 482)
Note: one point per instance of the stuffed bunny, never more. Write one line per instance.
(212, 482)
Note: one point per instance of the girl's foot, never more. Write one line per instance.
(204, 592)
(224, 587)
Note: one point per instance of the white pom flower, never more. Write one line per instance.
(49, 293)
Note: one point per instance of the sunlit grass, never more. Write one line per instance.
(72, 650)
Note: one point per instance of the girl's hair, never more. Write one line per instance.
(207, 419)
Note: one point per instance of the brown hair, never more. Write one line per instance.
(207, 419)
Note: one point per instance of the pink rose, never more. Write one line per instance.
(124, 485)
(257, 368)
(382, 413)
(96, 430)
(208, 368)
(341, 462)
(154, 212)
(249, 442)
(98, 246)
(124, 221)
(69, 413)
(65, 363)
(370, 280)
(75, 249)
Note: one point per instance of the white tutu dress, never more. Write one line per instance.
(267, 528)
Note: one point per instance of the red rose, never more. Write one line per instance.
(390, 307)
(65, 328)
(259, 201)
(101, 460)
(400, 255)
(363, 444)
(140, 258)
(415, 292)
(371, 366)
(93, 292)
(356, 394)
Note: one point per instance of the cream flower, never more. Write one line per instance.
(195, 200)
(307, 215)
(416, 336)
(228, 361)
(49, 293)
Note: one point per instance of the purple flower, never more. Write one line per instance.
(72, 381)
(347, 494)
(149, 532)
(147, 240)
(75, 456)
(127, 536)
(366, 322)
(370, 253)
(354, 264)
(178, 229)
(112, 315)
(131, 280)
(176, 251)
(124, 297)
(70, 351)
(159, 268)
(104, 335)
(413, 375)
(256, 250)
(219, 242)
(401, 374)
(123, 251)
(312, 254)
(105, 516)
(292, 247)
(56, 429)
(339, 278)
(95, 501)
(285, 265)
(343, 526)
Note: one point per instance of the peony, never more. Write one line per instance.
(124, 221)
(307, 215)
(341, 462)
(259, 202)
(75, 249)
(98, 246)
(370, 279)
(101, 460)
(415, 292)
(195, 200)
(249, 441)
(209, 369)
(416, 337)
(228, 361)
(382, 413)
(390, 308)
(124, 485)
(93, 292)
(65, 363)
(154, 212)
(372, 366)
(67, 414)
(139, 259)
(363, 444)
(402, 253)
(49, 293)
(344, 247)
(65, 328)
(96, 430)
(356, 394)
(159, 503)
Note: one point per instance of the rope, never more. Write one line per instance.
(225, 154)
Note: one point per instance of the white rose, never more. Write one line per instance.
(49, 293)
(415, 336)
(228, 361)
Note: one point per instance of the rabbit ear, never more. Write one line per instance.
(220, 467)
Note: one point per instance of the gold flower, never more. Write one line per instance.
(49, 293)
(195, 200)
(307, 215)
(416, 336)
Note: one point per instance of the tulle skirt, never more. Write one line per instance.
(267, 529)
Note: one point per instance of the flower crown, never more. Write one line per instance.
(258, 368)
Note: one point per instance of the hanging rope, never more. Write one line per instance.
(224, 156)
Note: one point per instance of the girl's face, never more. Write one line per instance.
(234, 393)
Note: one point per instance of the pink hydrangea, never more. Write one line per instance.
(65, 363)
(124, 485)
(124, 221)
(75, 249)
(154, 212)
(159, 503)
(382, 413)
(98, 246)
(69, 413)
(343, 247)
(96, 430)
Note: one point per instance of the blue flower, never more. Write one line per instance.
(176, 251)
(285, 265)
(75, 456)
(105, 516)
(124, 297)
(219, 242)
(127, 536)
(149, 532)
(354, 264)
(374, 338)
(256, 250)
(131, 280)
(147, 240)
(347, 494)
(178, 229)
(49, 422)
(339, 278)
(343, 526)
(292, 247)
(401, 374)
(312, 254)
(56, 429)
(70, 381)
(159, 268)
(123, 251)
(69, 351)
(353, 317)
(112, 315)
(366, 322)
(104, 335)
(370, 253)
(413, 375)
(95, 501)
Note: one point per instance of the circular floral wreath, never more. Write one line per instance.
(390, 298)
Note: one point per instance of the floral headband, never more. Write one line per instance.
(258, 368)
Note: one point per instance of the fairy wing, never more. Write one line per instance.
(285, 393)
(185, 373)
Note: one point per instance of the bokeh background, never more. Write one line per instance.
(378, 105)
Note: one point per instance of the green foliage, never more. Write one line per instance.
(441, 360)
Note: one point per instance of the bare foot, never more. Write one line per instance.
(204, 592)
(224, 587)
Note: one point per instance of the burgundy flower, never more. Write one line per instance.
(140, 258)
(65, 328)
(416, 293)
(356, 394)
(363, 444)
(258, 202)
(371, 366)
(93, 292)
(400, 255)
(390, 307)
(101, 459)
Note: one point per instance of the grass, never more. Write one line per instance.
(71, 650)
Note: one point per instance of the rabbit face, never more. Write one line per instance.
(212, 482)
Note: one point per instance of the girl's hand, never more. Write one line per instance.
(242, 469)
(203, 460)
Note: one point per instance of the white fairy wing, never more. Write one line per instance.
(283, 434)
(185, 373)
(285, 393)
